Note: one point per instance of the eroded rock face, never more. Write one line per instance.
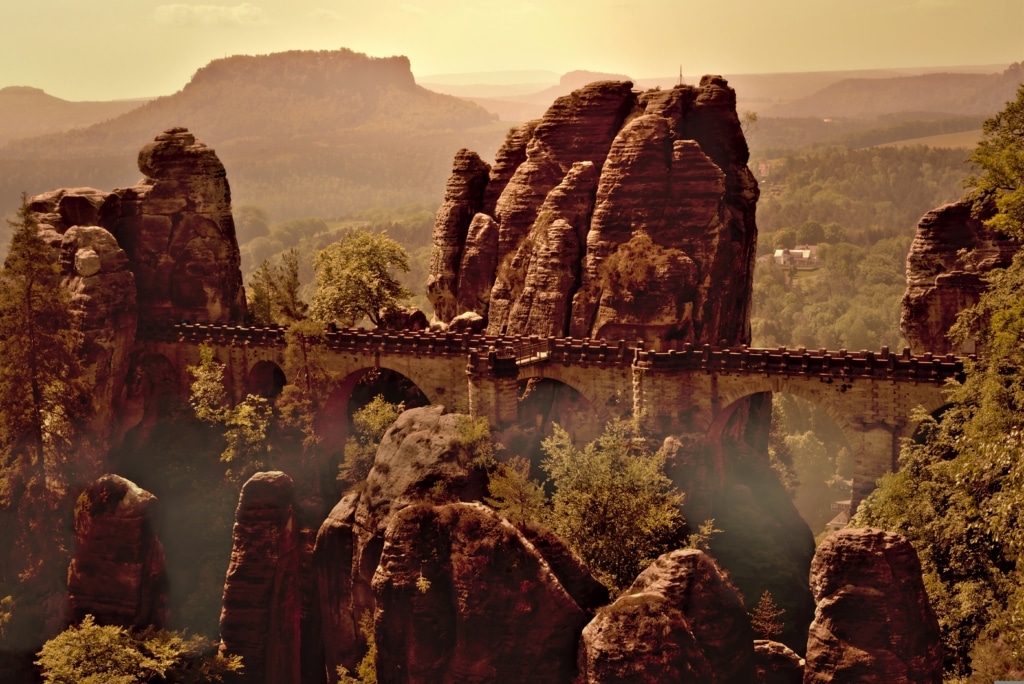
(261, 613)
(873, 620)
(777, 663)
(463, 199)
(462, 595)
(161, 251)
(102, 291)
(118, 573)
(493, 590)
(681, 620)
(419, 460)
(177, 229)
(659, 179)
(951, 254)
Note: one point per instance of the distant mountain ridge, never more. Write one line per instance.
(27, 111)
(301, 133)
(946, 93)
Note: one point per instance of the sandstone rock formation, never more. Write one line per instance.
(161, 251)
(681, 620)
(462, 595)
(260, 617)
(175, 227)
(419, 459)
(118, 572)
(614, 215)
(404, 521)
(463, 198)
(777, 663)
(873, 621)
(946, 267)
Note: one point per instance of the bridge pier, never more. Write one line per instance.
(876, 449)
(493, 389)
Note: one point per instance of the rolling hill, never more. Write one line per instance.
(301, 133)
(26, 112)
(946, 93)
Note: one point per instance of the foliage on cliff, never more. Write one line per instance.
(959, 492)
(42, 405)
(613, 503)
(91, 654)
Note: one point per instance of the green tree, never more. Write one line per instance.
(959, 492)
(42, 395)
(94, 654)
(273, 291)
(764, 619)
(355, 279)
(515, 495)
(1000, 158)
(369, 425)
(810, 233)
(43, 404)
(784, 239)
(613, 503)
(246, 426)
(250, 222)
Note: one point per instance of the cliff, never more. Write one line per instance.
(952, 252)
(161, 251)
(617, 215)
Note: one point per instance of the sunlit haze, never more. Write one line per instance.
(139, 48)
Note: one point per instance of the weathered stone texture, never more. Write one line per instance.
(104, 308)
(463, 199)
(260, 617)
(681, 620)
(118, 573)
(617, 168)
(177, 229)
(419, 460)
(873, 621)
(478, 266)
(777, 663)
(462, 595)
(951, 254)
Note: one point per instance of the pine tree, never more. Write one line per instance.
(43, 403)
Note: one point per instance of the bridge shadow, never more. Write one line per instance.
(352, 393)
(542, 403)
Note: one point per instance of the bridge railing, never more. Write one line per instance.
(532, 350)
(828, 365)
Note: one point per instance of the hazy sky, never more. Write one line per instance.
(110, 49)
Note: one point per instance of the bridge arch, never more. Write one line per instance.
(265, 379)
(608, 404)
(340, 405)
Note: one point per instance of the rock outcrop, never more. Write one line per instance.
(118, 573)
(946, 268)
(616, 213)
(261, 613)
(462, 595)
(680, 621)
(407, 521)
(873, 620)
(175, 226)
(419, 460)
(177, 229)
(463, 198)
(161, 251)
(777, 663)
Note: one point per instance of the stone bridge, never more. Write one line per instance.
(685, 390)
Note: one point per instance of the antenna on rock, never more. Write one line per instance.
(681, 81)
